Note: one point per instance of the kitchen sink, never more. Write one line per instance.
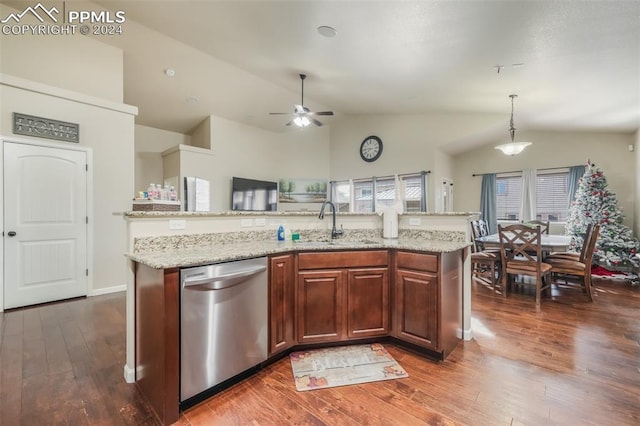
(333, 243)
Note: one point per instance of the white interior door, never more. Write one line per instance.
(45, 224)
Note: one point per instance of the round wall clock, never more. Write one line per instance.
(371, 148)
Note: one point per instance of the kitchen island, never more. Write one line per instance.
(321, 291)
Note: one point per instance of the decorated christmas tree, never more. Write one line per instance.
(595, 203)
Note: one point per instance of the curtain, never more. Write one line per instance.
(575, 173)
(488, 201)
(528, 202)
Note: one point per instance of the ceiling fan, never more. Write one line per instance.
(303, 116)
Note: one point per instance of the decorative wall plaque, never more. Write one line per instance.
(39, 127)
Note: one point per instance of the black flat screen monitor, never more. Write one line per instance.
(253, 195)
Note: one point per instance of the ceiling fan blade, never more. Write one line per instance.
(301, 113)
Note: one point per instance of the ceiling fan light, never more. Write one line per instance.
(513, 148)
(301, 121)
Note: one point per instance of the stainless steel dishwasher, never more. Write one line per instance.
(223, 322)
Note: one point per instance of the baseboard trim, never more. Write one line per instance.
(467, 334)
(108, 290)
(129, 374)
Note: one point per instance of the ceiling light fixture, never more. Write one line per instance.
(170, 72)
(512, 148)
(327, 31)
(301, 121)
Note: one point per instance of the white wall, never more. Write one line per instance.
(411, 143)
(109, 133)
(202, 136)
(72, 62)
(608, 151)
(149, 143)
(236, 150)
(248, 152)
(80, 80)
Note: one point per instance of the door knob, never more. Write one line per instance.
(11, 233)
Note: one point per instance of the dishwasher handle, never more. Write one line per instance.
(204, 282)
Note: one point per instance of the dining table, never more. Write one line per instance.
(548, 243)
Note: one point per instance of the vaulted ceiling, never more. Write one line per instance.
(574, 64)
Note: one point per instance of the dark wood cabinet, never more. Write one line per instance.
(350, 300)
(320, 306)
(416, 308)
(367, 302)
(281, 303)
(314, 297)
(157, 316)
(427, 300)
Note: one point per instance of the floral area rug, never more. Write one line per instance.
(344, 365)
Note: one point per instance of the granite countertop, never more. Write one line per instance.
(160, 214)
(194, 256)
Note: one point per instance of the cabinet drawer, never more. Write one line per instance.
(417, 261)
(342, 259)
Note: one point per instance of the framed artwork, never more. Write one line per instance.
(302, 190)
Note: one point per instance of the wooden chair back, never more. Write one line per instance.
(484, 227)
(544, 225)
(588, 235)
(520, 242)
(591, 247)
(475, 233)
(521, 252)
(479, 228)
(571, 270)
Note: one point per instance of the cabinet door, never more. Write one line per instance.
(281, 303)
(367, 302)
(320, 306)
(416, 304)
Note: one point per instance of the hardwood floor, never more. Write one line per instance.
(62, 363)
(572, 363)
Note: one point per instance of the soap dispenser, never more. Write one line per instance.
(281, 233)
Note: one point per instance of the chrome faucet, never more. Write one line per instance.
(335, 233)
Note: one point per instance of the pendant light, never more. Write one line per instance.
(512, 148)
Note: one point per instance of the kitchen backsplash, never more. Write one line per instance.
(185, 241)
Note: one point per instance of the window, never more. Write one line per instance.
(508, 196)
(341, 195)
(363, 196)
(552, 195)
(368, 195)
(413, 192)
(385, 192)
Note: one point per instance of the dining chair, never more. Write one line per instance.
(544, 225)
(479, 228)
(521, 255)
(485, 264)
(576, 272)
(572, 255)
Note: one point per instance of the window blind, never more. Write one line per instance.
(552, 196)
(508, 197)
